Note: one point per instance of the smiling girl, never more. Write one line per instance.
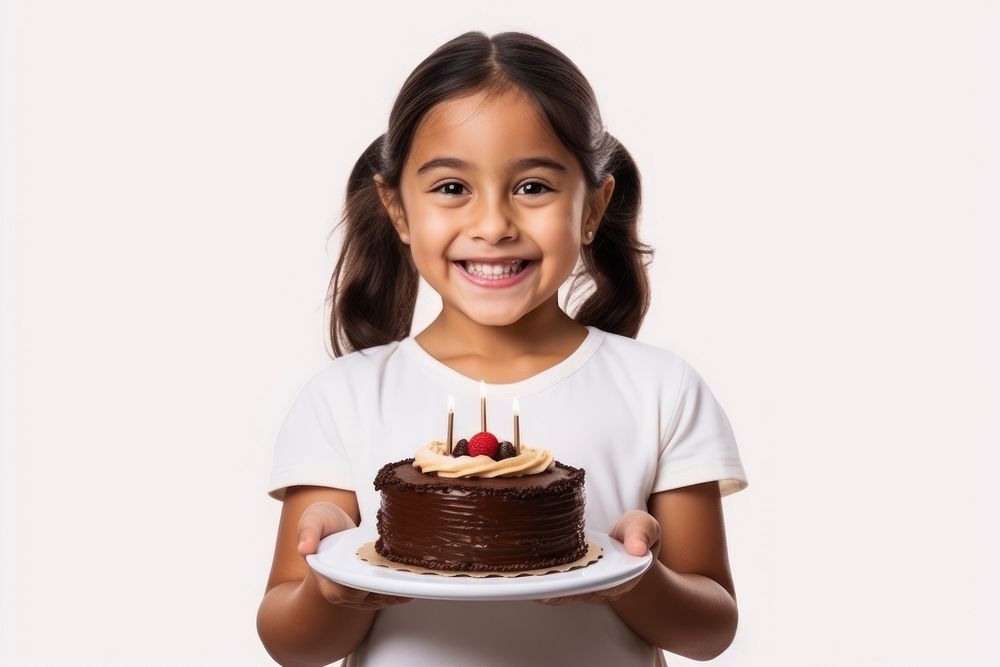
(497, 182)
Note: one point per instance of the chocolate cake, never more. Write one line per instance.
(495, 524)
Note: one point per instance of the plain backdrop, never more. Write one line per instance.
(821, 190)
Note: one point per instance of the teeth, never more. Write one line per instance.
(494, 271)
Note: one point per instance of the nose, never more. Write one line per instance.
(492, 221)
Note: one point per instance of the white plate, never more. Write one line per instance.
(337, 560)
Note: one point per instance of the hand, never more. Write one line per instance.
(319, 520)
(639, 532)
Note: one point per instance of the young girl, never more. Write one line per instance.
(496, 177)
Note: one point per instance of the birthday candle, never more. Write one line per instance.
(517, 428)
(482, 405)
(451, 420)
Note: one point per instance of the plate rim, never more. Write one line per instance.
(431, 587)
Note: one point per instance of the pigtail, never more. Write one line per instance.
(373, 289)
(614, 262)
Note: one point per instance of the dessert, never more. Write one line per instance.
(484, 507)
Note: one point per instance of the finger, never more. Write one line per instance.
(374, 602)
(319, 520)
(387, 600)
(341, 595)
(365, 606)
(554, 601)
(620, 527)
(346, 594)
(636, 543)
(618, 592)
(638, 531)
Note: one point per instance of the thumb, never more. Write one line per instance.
(638, 531)
(319, 520)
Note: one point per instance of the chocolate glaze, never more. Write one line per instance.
(500, 524)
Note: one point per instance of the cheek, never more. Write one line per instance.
(425, 255)
(426, 230)
(558, 236)
(429, 247)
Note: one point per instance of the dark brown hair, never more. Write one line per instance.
(374, 285)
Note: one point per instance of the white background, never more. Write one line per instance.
(820, 186)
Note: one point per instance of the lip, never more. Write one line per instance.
(500, 283)
(492, 260)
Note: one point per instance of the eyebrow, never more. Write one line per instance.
(515, 165)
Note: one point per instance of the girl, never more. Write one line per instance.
(494, 179)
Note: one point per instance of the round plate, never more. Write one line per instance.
(337, 560)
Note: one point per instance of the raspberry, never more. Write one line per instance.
(483, 442)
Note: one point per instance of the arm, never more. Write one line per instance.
(685, 603)
(296, 621)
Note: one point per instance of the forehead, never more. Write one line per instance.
(489, 134)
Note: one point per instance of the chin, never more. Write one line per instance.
(494, 319)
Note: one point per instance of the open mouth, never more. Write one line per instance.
(499, 271)
(496, 274)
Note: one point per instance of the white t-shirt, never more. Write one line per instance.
(637, 417)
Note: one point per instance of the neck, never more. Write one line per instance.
(545, 327)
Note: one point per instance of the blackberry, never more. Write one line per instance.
(505, 451)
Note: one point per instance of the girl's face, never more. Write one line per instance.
(493, 207)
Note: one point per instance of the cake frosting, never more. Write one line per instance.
(433, 458)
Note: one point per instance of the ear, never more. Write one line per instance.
(391, 203)
(596, 207)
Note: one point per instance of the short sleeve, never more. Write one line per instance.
(309, 449)
(698, 445)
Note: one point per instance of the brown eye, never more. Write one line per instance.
(452, 185)
(535, 185)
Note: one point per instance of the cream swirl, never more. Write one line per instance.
(433, 458)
